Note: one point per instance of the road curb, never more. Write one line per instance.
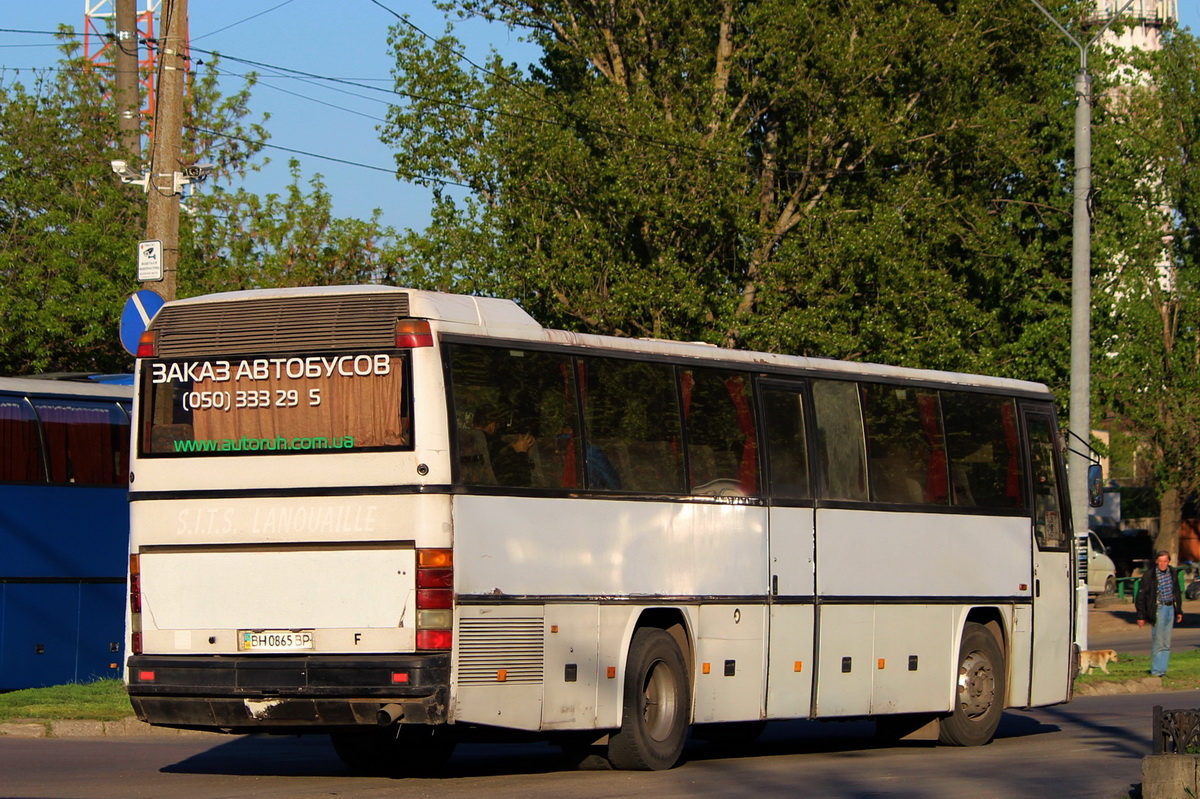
(1142, 685)
(128, 727)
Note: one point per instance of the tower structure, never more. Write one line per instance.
(1148, 18)
(99, 44)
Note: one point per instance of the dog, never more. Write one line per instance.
(1096, 659)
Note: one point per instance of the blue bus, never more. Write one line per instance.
(64, 527)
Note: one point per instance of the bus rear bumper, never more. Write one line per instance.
(288, 694)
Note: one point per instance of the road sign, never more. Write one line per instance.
(150, 262)
(139, 310)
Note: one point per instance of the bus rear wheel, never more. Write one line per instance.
(657, 707)
(398, 750)
(980, 690)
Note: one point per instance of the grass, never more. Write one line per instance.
(1183, 673)
(103, 700)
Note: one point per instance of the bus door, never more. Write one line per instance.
(1052, 589)
(792, 550)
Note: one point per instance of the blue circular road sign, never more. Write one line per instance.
(139, 310)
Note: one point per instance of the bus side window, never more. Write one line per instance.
(515, 411)
(722, 438)
(632, 425)
(841, 447)
(85, 441)
(20, 449)
(787, 454)
(984, 450)
(905, 445)
(1048, 524)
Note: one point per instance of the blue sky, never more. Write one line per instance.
(343, 39)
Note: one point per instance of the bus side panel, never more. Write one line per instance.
(911, 670)
(608, 548)
(572, 667)
(537, 550)
(62, 603)
(845, 655)
(792, 669)
(40, 625)
(732, 645)
(896, 586)
(63, 531)
(499, 666)
(893, 554)
(1020, 653)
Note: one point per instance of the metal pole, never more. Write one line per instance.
(1079, 405)
(1081, 306)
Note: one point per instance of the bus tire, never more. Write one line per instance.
(399, 750)
(657, 706)
(980, 689)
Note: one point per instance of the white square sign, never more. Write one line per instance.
(150, 262)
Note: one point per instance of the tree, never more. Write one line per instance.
(857, 179)
(240, 240)
(1148, 374)
(67, 227)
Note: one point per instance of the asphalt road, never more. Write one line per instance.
(1090, 748)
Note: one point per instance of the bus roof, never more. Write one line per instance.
(505, 319)
(67, 386)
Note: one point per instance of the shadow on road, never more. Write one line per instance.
(312, 756)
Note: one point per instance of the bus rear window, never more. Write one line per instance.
(275, 405)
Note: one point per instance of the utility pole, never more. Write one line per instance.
(1080, 406)
(164, 181)
(128, 101)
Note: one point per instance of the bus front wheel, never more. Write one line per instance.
(657, 707)
(979, 692)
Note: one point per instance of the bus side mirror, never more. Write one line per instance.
(1095, 482)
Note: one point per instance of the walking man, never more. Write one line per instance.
(1160, 602)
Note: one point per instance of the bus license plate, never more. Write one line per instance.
(275, 640)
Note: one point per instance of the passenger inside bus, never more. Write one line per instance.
(508, 454)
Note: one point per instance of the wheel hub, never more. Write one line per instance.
(661, 698)
(976, 685)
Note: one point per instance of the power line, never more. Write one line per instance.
(410, 176)
(67, 32)
(240, 21)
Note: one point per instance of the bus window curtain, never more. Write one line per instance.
(20, 452)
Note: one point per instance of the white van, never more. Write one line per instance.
(1101, 571)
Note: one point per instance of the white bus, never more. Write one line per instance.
(403, 518)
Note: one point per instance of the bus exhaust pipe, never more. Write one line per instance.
(390, 714)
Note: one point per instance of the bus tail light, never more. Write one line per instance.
(135, 604)
(147, 346)
(413, 333)
(435, 598)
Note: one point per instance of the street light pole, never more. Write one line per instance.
(1079, 406)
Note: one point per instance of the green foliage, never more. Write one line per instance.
(67, 227)
(1147, 368)
(240, 240)
(851, 178)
